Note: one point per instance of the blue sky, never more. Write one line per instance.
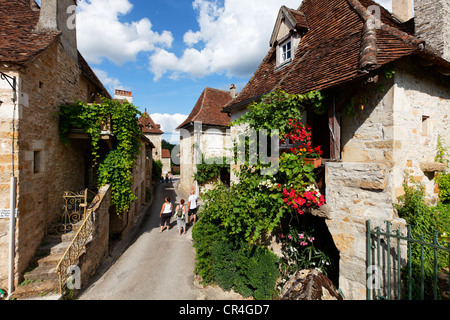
(167, 51)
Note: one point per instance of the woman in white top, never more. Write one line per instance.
(165, 214)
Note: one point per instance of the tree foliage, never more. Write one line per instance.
(116, 167)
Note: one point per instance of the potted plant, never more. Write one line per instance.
(301, 135)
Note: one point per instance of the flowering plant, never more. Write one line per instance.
(300, 253)
(308, 198)
(301, 134)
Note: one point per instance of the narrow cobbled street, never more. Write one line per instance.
(154, 265)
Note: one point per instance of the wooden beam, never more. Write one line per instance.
(334, 123)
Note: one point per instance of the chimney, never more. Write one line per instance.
(233, 91)
(432, 23)
(123, 95)
(402, 9)
(60, 15)
(34, 6)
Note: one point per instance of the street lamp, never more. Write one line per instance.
(12, 81)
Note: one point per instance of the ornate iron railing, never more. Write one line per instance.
(72, 213)
(76, 248)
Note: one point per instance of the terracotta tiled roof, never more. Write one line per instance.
(148, 125)
(208, 109)
(340, 46)
(165, 153)
(19, 43)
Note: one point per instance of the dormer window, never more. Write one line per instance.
(286, 51)
(290, 27)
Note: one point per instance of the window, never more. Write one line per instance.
(426, 126)
(37, 162)
(286, 51)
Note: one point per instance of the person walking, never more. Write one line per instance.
(166, 214)
(192, 205)
(180, 214)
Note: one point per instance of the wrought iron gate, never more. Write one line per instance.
(391, 273)
(72, 213)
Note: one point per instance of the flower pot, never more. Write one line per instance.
(316, 162)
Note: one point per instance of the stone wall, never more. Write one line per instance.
(356, 192)
(421, 114)
(121, 224)
(156, 139)
(213, 142)
(97, 248)
(391, 138)
(187, 160)
(45, 167)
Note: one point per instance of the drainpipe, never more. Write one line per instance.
(12, 236)
(13, 195)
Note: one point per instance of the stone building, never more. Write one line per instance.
(204, 133)
(386, 81)
(38, 47)
(142, 179)
(153, 132)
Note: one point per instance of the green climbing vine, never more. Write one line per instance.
(116, 167)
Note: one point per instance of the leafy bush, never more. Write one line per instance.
(236, 222)
(157, 169)
(117, 165)
(424, 221)
(444, 188)
(250, 270)
(208, 170)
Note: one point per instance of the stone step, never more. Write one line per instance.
(55, 247)
(37, 289)
(43, 281)
(50, 260)
(42, 273)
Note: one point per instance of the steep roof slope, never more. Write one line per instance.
(148, 125)
(20, 43)
(208, 109)
(340, 46)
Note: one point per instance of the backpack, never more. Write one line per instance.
(180, 211)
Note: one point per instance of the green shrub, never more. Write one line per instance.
(157, 169)
(249, 270)
(424, 221)
(444, 188)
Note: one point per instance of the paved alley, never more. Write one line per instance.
(154, 266)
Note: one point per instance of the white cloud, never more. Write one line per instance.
(102, 35)
(109, 82)
(169, 122)
(232, 39)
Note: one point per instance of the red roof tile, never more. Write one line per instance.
(208, 109)
(165, 153)
(340, 46)
(148, 125)
(20, 43)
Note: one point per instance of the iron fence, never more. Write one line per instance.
(392, 273)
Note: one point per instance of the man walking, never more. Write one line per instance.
(192, 205)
